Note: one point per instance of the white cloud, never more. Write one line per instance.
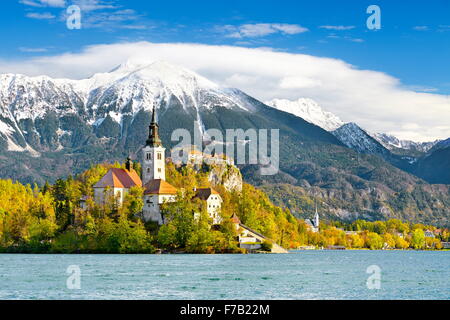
(338, 28)
(260, 29)
(40, 16)
(299, 82)
(91, 5)
(44, 3)
(32, 50)
(420, 28)
(375, 100)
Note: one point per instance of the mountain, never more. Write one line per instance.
(312, 112)
(435, 165)
(441, 144)
(354, 137)
(393, 143)
(119, 95)
(51, 128)
(308, 110)
(69, 123)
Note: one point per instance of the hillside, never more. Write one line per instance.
(52, 128)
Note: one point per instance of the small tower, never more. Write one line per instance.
(153, 164)
(316, 218)
(129, 164)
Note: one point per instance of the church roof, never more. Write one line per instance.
(119, 178)
(153, 134)
(159, 186)
(204, 193)
(235, 219)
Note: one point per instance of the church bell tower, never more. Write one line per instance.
(153, 164)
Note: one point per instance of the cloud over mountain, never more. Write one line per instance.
(375, 100)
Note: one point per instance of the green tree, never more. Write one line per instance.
(418, 239)
(374, 241)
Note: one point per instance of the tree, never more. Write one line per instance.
(133, 202)
(401, 243)
(374, 241)
(418, 239)
(389, 240)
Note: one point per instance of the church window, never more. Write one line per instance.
(159, 156)
(149, 156)
(148, 170)
(159, 169)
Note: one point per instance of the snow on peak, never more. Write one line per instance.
(351, 135)
(308, 110)
(391, 142)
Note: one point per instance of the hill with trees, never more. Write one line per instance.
(49, 219)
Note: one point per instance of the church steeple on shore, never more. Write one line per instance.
(153, 133)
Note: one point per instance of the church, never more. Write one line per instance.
(116, 182)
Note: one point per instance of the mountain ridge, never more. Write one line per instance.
(75, 130)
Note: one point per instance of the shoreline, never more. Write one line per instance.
(227, 253)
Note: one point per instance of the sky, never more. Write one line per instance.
(394, 79)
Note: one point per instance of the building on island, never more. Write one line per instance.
(193, 156)
(117, 182)
(156, 189)
(213, 202)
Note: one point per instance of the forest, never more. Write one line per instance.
(49, 219)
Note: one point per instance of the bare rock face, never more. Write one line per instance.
(227, 175)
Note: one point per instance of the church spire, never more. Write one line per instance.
(153, 132)
(316, 218)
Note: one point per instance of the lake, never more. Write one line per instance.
(315, 274)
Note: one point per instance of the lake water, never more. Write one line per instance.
(299, 275)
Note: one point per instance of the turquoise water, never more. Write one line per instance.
(300, 275)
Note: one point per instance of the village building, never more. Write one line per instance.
(252, 240)
(313, 224)
(429, 234)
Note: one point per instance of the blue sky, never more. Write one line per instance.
(393, 80)
(412, 45)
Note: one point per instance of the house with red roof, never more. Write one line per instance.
(116, 182)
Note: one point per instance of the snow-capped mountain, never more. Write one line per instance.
(351, 135)
(67, 125)
(312, 112)
(391, 142)
(124, 91)
(308, 110)
(441, 144)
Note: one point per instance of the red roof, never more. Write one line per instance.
(204, 193)
(159, 186)
(235, 219)
(119, 178)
